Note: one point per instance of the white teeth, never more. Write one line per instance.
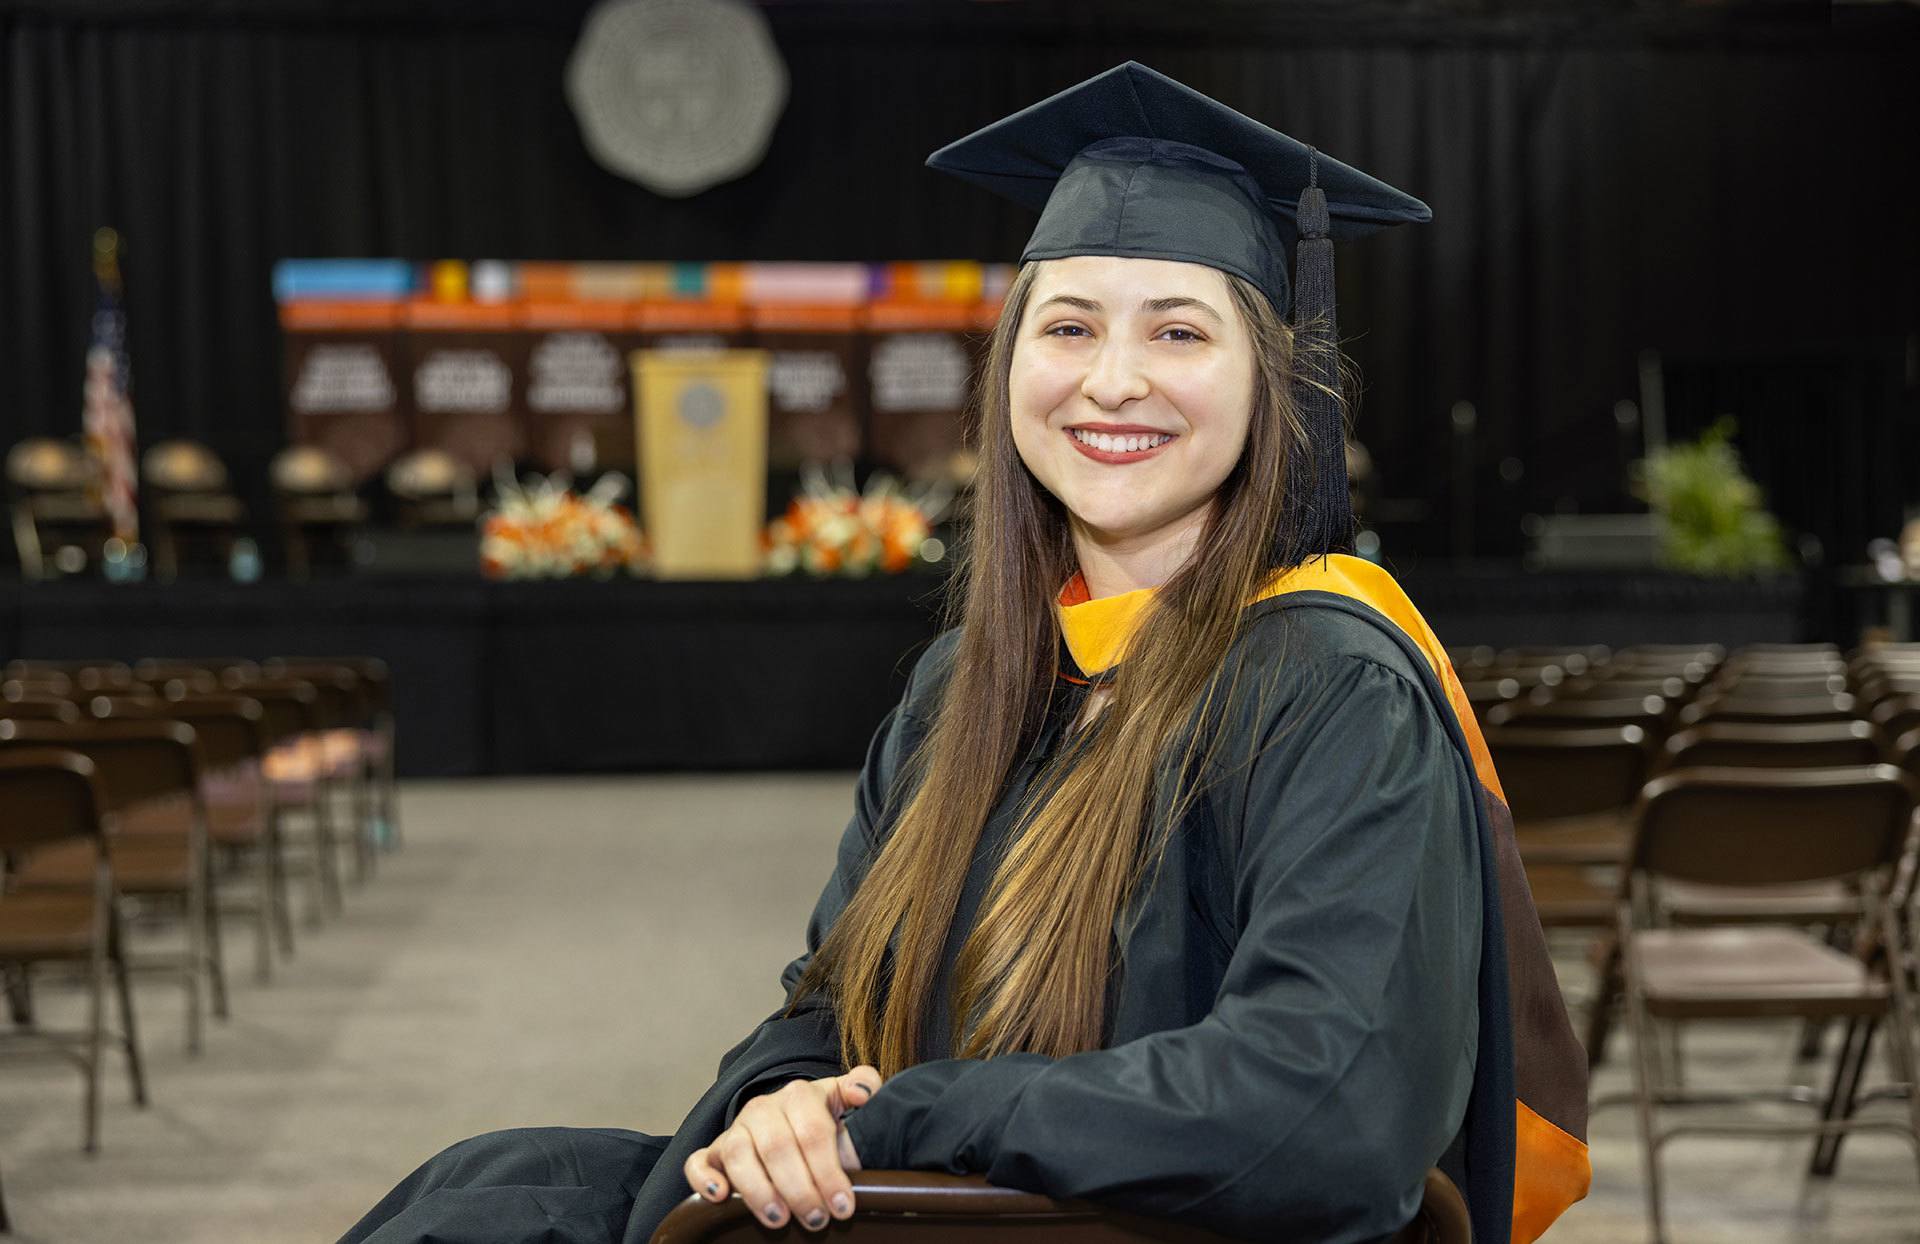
(1118, 444)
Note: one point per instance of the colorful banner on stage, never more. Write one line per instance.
(527, 364)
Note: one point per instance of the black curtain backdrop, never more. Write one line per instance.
(1734, 189)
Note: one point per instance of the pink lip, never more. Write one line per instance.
(1117, 459)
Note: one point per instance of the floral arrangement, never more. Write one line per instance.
(832, 529)
(542, 529)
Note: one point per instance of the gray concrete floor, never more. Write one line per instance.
(582, 952)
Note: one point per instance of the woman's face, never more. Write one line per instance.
(1132, 389)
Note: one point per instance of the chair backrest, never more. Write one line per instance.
(926, 1207)
(1906, 753)
(1746, 745)
(1760, 685)
(1784, 711)
(345, 697)
(40, 682)
(183, 466)
(1896, 716)
(40, 708)
(1744, 827)
(1558, 773)
(49, 795)
(1646, 712)
(1625, 687)
(133, 760)
(30, 668)
(376, 678)
(230, 728)
(289, 707)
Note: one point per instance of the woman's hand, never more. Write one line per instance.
(788, 1152)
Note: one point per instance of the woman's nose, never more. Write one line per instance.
(1114, 377)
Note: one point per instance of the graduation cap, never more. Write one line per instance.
(1133, 163)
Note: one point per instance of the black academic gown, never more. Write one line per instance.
(1293, 1033)
(1294, 1026)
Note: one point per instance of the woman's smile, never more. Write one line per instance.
(1118, 444)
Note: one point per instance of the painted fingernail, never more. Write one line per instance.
(817, 1219)
(841, 1205)
(864, 1088)
(713, 1189)
(774, 1213)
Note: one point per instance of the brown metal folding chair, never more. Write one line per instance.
(1745, 828)
(135, 762)
(242, 828)
(49, 802)
(921, 1207)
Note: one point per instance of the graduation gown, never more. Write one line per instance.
(1331, 984)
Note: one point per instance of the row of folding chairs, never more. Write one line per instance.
(1739, 866)
(1662, 692)
(189, 789)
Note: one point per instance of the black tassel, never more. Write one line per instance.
(1324, 506)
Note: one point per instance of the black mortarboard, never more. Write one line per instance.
(1133, 163)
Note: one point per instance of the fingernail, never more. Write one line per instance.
(841, 1205)
(713, 1189)
(774, 1214)
(817, 1219)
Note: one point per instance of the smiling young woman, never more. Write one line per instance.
(1178, 880)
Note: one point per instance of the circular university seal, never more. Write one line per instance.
(678, 95)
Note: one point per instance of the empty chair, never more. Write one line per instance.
(1762, 685)
(432, 488)
(138, 761)
(910, 1206)
(1747, 828)
(51, 804)
(20, 700)
(242, 827)
(59, 524)
(1896, 715)
(1649, 712)
(190, 506)
(1746, 745)
(319, 509)
(1485, 694)
(1765, 710)
(1570, 790)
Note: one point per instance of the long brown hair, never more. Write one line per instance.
(1034, 972)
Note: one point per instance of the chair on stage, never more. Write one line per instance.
(1747, 829)
(50, 803)
(934, 1208)
(59, 524)
(191, 506)
(319, 509)
(432, 488)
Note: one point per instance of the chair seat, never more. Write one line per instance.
(229, 823)
(311, 757)
(47, 924)
(1751, 972)
(1567, 896)
(143, 865)
(1600, 838)
(191, 509)
(1818, 902)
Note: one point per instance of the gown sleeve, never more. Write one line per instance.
(806, 1044)
(1335, 1065)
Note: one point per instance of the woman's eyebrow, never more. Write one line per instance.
(1152, 306)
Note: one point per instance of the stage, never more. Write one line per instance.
(641, 676)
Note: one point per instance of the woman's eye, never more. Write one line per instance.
(1066, 330)
(1183, 334)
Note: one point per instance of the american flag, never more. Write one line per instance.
(107, 415)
